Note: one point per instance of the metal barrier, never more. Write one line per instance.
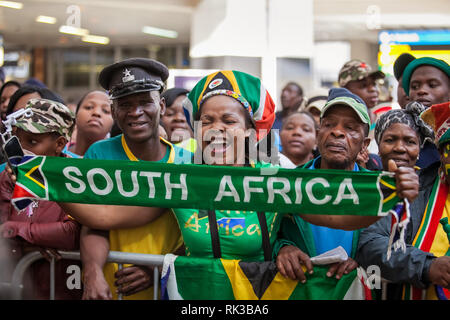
(149, 260)
(120, 258)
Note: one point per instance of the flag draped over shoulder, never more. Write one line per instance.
(432, 236)
(204, 187)
(191, 278)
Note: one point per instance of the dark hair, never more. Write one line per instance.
(307, 113)
(295, 84)
(172, 94)
(84, 97)
(35, 82)
(314, 151)
(26, 89)
(9, 83)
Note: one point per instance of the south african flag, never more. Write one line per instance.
(191, 278)
(30, 184)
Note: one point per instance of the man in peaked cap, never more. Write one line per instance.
(133, 76)
(134, 86)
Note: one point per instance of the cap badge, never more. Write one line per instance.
(127, 76)
(215, 83)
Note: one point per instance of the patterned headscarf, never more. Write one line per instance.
(409, 116)
(438, 117)
(246, 89)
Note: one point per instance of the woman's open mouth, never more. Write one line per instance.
(218, 146)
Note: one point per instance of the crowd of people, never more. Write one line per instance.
(136, 118)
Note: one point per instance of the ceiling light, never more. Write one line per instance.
(11, 4)
(46, 19)
(95, 39)
(160, 32)
(73, 30)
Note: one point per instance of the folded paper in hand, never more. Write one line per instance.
(335, 255)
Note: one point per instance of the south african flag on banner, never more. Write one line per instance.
(218, 279)
(33, 183)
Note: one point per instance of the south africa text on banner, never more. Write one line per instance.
(204, 187)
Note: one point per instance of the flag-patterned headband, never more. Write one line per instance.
(245, 88)
(438, 117)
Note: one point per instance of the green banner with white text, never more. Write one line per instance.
(156, 184)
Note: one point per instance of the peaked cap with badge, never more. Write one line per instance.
(132, 76)
(245, 88)
(355, 70)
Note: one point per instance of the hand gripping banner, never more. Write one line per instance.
(204, 187)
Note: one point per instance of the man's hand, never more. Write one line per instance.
(362, 158)
(131, 280)
(406, 180)
(290, 260)
(341, 268)
(439, 272)
(95, 286)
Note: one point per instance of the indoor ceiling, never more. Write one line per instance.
(362, 19)
(122, 21)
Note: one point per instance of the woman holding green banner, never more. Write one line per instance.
(423, 271)
(229, 106)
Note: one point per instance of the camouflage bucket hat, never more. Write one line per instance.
(48, 116)
(357, 70)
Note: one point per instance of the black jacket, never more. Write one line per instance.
(412, 266)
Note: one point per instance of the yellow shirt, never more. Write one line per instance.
(158, 237)
(440, 245)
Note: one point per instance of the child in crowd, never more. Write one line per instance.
(43, 224)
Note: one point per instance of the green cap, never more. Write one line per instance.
(342, 96)
(425, 61)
